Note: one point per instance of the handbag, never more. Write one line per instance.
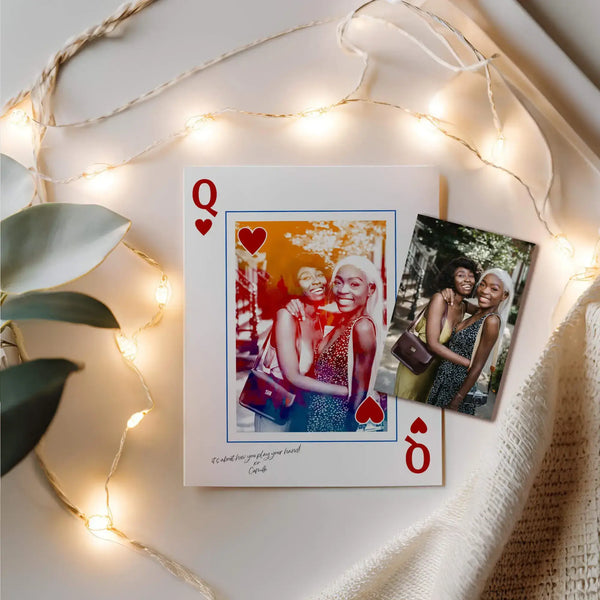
(264, 394)
(411, 351)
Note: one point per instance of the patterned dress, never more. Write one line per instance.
(450, 377)
(332, 413)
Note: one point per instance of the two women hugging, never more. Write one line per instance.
(463, 338)
(331, 373)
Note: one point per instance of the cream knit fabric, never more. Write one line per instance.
(526, 525)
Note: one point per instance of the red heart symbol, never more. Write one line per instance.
(369, 409)
(252, 239)
(203, 225)
(418, 426)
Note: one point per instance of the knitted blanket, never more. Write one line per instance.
(525, 526)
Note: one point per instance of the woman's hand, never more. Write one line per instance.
(456, 402)
(296, 308)
(448, 294)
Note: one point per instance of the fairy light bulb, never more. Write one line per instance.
(437, 107)
(163, 292)
(426, 129)
(564, 245)
(498, 148)
(127, 346)
(95, 170)
(316, 123)
(135, 419)
(315, 113)
(98, 523)
(18, 117)
(197, 122)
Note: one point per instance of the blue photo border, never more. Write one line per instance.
(227, 366)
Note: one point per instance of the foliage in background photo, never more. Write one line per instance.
(487, 249)
(43, 247)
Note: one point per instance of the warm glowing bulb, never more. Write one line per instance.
(498, 148)
(98, 523)
(564, 245)
(18, 117)
(163, 292)
(198, 122)
(427, 130)
(134, 419)
(317, 123)
(95, 170)
(315, 113)
(127, 347)
(437, 108)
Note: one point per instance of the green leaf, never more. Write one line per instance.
(16, 186)
(30, 394)
(71, 307)
(50, 244)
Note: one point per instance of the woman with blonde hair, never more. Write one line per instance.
(349, 353)
(477, 338)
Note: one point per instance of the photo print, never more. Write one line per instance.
(454, 319)
(310, 321)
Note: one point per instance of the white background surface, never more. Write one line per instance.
(249, 544)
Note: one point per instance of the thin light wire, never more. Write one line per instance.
(72, 47)
(425, 16)
(482, 63)
(345, 44)
(175, 568)
(418, 115)
(168, 84)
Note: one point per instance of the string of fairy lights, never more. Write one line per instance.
(128, 344)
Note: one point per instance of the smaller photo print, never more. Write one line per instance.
(454, 317)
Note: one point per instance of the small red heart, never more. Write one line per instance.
(203, 225)
(418, 426)
(252, 239)
(369, 409)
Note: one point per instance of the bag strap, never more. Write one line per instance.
(417, 318)
(261, 355)
(422, 312)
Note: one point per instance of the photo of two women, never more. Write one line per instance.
(310, 325)
(454, 317)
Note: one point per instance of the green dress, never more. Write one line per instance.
(417, 387)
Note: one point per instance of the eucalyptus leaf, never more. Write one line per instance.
(50, 244)
(71, 307)
(16, 186)
(30, 395)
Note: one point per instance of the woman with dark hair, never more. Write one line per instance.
(293, 341)
(435, 325)
(478, 339)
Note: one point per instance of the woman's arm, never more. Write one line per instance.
(286, 331)
(489, 335)
(364, 346)
(434, 328)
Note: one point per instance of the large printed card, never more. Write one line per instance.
(291, 274)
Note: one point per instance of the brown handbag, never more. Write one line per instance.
(264, 394)
(413, 353)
